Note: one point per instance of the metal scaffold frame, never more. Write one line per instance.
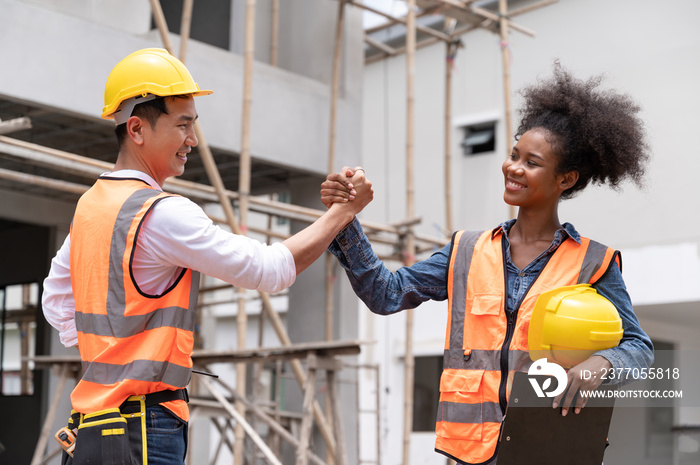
(463, 16)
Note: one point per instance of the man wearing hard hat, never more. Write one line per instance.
(123, 286)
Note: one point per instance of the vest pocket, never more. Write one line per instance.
(103, 438)
(483, 323)
(460, 412)
(486, 304)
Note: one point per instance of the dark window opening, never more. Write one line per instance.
(479, 138)
(211, 21)
(18, 310)
(426, 392)
(284, 197)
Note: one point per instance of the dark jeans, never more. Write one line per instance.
(166, 436)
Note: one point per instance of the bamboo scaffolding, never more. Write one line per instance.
(40, 181)
(487, 14)
(409, 246)
(50, 416)
(185, 26)
(381, 46)
(330, 263)
(240, 420)
(269, 234)
(159, 19)
(379, 27)
(431, 40)
(394, 20)
(273, 423)
(243, 196)
(335, 84)
(505, 59)
(451, 52)
(492, 18)
(224, 439)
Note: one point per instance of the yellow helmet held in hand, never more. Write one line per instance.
(142, 76)
(570, 323)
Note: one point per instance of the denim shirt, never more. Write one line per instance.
(386, 292)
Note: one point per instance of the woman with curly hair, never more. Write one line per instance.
(571, 133)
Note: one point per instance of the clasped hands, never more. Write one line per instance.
(348, 187)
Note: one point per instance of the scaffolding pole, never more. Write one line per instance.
(505, 59)
(409, 246)
(243, 196)
(329, 259)
(185, 27)
(451, 52)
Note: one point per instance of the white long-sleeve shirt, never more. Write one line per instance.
(176, 234)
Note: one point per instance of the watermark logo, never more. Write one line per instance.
(541, 369)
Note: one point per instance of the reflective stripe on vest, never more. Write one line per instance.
(131, 343)
(481, 345)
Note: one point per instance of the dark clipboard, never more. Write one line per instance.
(535, 433)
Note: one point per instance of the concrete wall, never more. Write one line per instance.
(646, 50)
(71, 55)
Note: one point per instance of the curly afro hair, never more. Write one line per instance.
(593, 131)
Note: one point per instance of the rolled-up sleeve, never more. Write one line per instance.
(383, 291)
(178, 232)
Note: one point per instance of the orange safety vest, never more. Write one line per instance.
(484, 344)
(131, 343)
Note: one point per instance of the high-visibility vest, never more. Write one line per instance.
(484, 344)
(130, 342)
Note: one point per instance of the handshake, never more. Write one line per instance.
(348, 188)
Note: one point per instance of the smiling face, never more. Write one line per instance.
(167, 143)
(530, 173)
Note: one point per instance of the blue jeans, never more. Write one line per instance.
(166, 436)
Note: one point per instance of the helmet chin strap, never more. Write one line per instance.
(125, 108)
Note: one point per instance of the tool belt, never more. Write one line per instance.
(116, 436)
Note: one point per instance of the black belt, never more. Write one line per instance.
(164, 396)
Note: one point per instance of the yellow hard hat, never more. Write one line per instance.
(570, 323)
(143, 75)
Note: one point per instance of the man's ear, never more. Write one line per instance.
(134, 128)
(568, 180)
